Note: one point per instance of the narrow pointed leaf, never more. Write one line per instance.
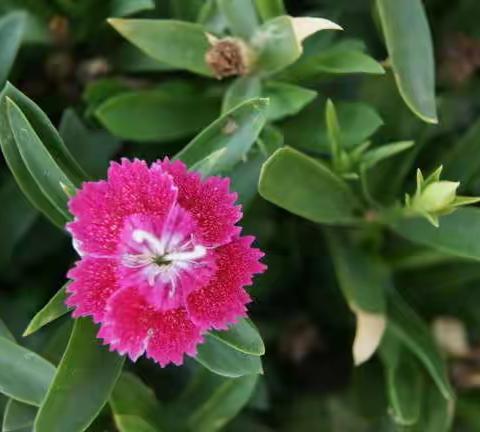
(242, 336)
(374, 156)
(20, 172)
(306, 187)
(334, 61)
(47, 133)
(216, 400)
(135, 407)
(24, 375)
(279, 40)
(180, 44)
(404, 381)
(162, 114)
(409, 45)
(82, 385)
(286, 99)
(43, 168)
(236, 131)
(405, 324)
(457, 233)
(241, 16)
(54, 309)
(241, 90)
(18, 417)
(364, 281)
(221, 359)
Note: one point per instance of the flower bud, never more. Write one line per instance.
(436, 196)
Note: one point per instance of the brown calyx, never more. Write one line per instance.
(228, 57)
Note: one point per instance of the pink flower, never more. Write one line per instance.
(162, 261)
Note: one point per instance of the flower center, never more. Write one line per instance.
(163, 259)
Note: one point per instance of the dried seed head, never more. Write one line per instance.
(229, 57)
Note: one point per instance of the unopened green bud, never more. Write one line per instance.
(436, 197)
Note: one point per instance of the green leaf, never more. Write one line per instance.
(84, 380)
(241, 90)
(364, 281)
(16, 218)
(358, 122)
(212, 401)
(18, 417)
(11, 33)
(49, 177)
(92, 148)
(243, 336)
(336, 60)
(437, 412)
(24, 375)
(162, 114)
(286, 99)
(306, 187)
(222, 359)
(407, 326)
(363, 278)
(129, 58)
(457, 234)
(409, 44)
(235, 131)
(404, 381)
(270, 8)
(456, 165)
(180, 44)
(334, 132)
(134, 405)
(241, 16)
(244, 178)
(376, 155)
(279, 40)
(54, 309)
(15, 161)
(271, 139)
(121, 8)
(47, 133)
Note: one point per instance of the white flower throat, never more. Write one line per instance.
(161, 259)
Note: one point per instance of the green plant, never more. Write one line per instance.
(368, 252)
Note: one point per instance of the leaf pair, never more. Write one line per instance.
(41, 164)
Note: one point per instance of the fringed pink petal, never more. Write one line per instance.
(209, 201)
(224, 299)
(100, 208)
(131, 326)
(93, 282)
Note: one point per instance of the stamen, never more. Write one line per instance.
(197, 252)
(130, 260)
(154, 243)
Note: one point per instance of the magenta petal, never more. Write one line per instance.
(101, 207)
(131, 326)
(94, 281)
(209, 201)
(224, 299)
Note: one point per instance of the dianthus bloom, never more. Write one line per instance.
(162, 261)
